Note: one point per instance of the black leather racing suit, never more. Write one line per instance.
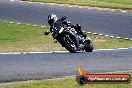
(59, 23)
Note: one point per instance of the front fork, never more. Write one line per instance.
(82, 42)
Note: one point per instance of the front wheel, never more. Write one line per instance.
(88, 46)
(69, 43)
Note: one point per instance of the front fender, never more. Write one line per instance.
(72, 36)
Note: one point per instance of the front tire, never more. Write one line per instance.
(69, 43)
(88, 46)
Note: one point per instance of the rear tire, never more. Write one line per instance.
(69, 43)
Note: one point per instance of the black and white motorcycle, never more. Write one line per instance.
(68, 38)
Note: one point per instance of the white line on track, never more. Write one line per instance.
(18, 23)
(70, 6)
(126, 38)
(89, 32)
(12, 0)
(80, 7)
(111, 36)
(11, 22)
(95, 33)
(4, 21)
(106, 35)
(62, 51)
(118, 37)
(35, 52)
(34, 25)
(122, 48)
(41, 3)
(100, 34)
(51, 4)
(21, 1)
(42, 26)
(124, 11)
(27, 24)
(113, 10)
(104, 49)
(61, 5)
(12, 53)
(29, 2)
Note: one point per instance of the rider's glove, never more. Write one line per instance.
(46, 33)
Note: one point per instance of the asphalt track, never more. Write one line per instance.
(116, 23)
(20, 67)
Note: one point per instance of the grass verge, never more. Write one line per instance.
(28, 38)
(116, 4)
(64, 83)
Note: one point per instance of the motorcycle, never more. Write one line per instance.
(68, 38)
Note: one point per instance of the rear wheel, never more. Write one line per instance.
(69, 43)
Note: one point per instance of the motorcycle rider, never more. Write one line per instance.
(56, 23)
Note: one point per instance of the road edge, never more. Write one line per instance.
(76, 6)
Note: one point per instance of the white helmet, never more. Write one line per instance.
(52, 18)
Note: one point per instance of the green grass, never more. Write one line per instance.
(23, 38)
(101, 42)
(27, 38)
(64, 83)
(116, 4)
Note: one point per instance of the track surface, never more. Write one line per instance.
(106, 22)
(49, 65)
